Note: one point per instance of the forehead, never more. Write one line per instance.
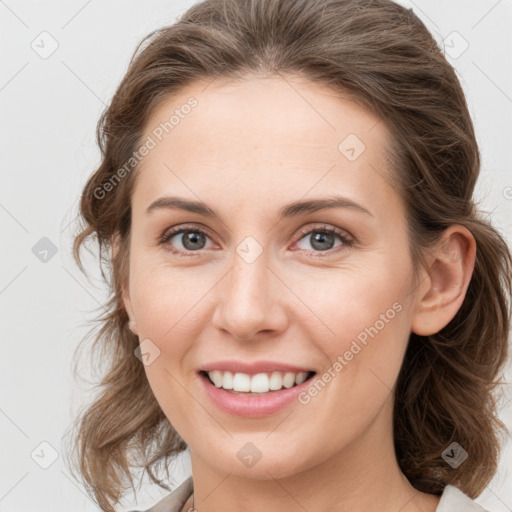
(260, 135)
(272, 113)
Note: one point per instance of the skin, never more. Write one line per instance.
(246, 150)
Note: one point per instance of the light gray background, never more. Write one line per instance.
(50, 107)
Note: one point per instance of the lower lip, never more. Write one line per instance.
(252, 406)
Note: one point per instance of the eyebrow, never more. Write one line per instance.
(291, 210)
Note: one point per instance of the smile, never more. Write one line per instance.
(253, 396)
(256, 384)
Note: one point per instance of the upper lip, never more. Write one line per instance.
(253, 368)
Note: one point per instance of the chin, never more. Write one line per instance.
(260, 459)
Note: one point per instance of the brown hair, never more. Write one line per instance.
(383, 56)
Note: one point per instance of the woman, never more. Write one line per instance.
(304, 294)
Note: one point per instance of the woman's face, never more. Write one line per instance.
(259, 280)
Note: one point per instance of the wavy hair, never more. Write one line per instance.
(384, 57)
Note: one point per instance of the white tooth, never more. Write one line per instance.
(228, 380)
(276, 381)
(259, 383)
(242, 382)
(216, 376)
(288, 380)
(300, 377)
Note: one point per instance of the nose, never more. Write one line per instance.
(250, 300)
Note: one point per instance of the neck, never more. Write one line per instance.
(362, 477)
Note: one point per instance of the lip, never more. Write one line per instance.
(251, 406)
(254, 367)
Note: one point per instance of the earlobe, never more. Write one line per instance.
(132, 324)
(447, 282)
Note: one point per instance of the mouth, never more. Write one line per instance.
(260, 384)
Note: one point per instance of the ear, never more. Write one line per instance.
(132, 324)
(441, 293)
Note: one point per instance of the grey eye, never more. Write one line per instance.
(320, 240)
(191, 240)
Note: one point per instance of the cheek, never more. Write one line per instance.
(364, 316)
(164, 298)
(369, 318)
(348, 301)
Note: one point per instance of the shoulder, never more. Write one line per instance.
(454, 500)
(173, 502)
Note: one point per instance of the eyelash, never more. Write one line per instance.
(319, 228)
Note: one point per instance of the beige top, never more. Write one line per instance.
(452, 500)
